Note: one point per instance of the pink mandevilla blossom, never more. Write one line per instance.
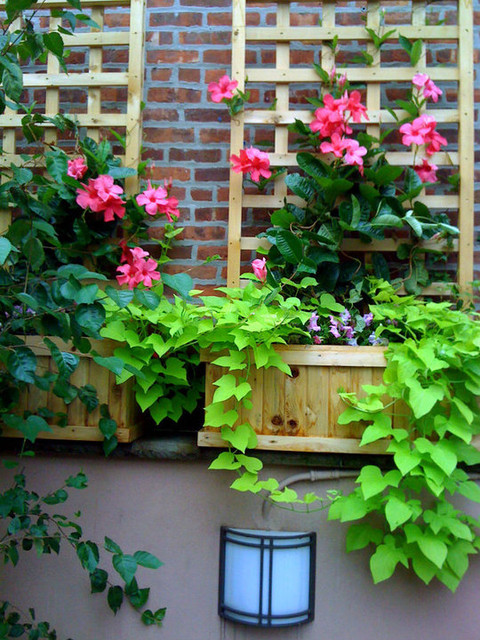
(356, 108)
(336, 146)
(77, 168)
(141, 269)
(224, 88)
(422, 131)
(152, 199)
(101, 195)
(354, 155)
(426, 171)
(420, 79)
(330, 118)
(432, 91)
(252, 161)
(259, 268)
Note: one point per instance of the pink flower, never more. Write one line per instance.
(432, 91)
(356, 108)
(102, 195)
(334, 327)
(152, 199)
(313, 322)
(426, 171)
(252, 161)
(317, 340)
(420, 79)
(341, 81)
(330, 118)
(354, 155)
(336, 146)
(139, 268)
(224, 88)
(422, 131)
(260, 269)
(77, 168)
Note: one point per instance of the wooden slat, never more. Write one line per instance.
(354, 74)
(317, 34)
(94, 99)
(278, 117)
(272, 202)
(292, 443)
(465, 144)
(82, 119)
(106, 79)
(236, 143)
(61, 4)
(97, 38)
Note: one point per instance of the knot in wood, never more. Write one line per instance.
(277, 420)
(295, 372)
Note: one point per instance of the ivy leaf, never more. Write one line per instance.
(98, 580)
(433, 549)
(115, 598)
(146, 559)
(126, 566)
(241, 438)
(361, 535)
(225, 460)
(397, 512)
(384, 561)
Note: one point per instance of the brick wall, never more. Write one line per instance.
(186, 136)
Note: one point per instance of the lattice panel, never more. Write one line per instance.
(103, 89)
(274, 61)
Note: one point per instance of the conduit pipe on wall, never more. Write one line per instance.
(318, 476)
(312, 476)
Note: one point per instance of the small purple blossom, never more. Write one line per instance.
(368, 319)
(334, 327)
(348, 330)
(345, 316)
(373, 340)
(313, 322)
(352, 342)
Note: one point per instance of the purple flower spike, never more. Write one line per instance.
(368, 319)
(345, 316)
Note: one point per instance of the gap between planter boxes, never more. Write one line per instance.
(300, 412)
(82, 425)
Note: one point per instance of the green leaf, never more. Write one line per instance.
(290, 247)
(111, 546)
(384, 561)
(53, 42)
(126, 566)
(433, 549)
(146, 559)
(397, 512)
(241, 438)
(90, 317)
(149, 618)
(115, 365)
(22, 364)
(115, 598)
(148, 298)
(361, 535)
(88, 555)
(98, 580)
(12, 79)
(416, 52)
(225, 460)
(5, 248)
(181, 283)
(120, 298)
(57, 164)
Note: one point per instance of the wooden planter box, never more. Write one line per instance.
(299, 413)
(82, 425)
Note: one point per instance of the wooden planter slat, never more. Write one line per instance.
(300, 412)
(285, 77)
(82, 425)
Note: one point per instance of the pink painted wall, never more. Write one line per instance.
(175, 509)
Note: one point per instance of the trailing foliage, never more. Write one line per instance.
(30, 526)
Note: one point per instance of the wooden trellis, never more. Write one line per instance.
(54, 90)
(281, 36)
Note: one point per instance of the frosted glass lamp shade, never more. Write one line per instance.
(267, 579)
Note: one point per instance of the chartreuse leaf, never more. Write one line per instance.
(216, 416)
(234, 361)
(225, 460)
(347, 508)
(433, 549)
(397, 512)
(361, 535)
(246, 482)
(385, 559)
(241, 438)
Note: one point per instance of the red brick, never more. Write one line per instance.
(214, 136)
(156, 134)
(203, 272)
(218, 175)
(161, 75)
(217, 56)
(195, 155)
(115, 20)
(164, 115)
(219, 214)
(219, 19)
(201, 195)
(169, 94)
(207, 115)
(205, 252)
(177, 173)
(203, 4)
(205, 233)
(223, 194)
(183, 19)
(172, 57)
(159, 3)
(189, 75)
(205, 37)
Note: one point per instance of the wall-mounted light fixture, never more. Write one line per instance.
(267, 578)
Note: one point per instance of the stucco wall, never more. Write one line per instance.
(175, 509)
